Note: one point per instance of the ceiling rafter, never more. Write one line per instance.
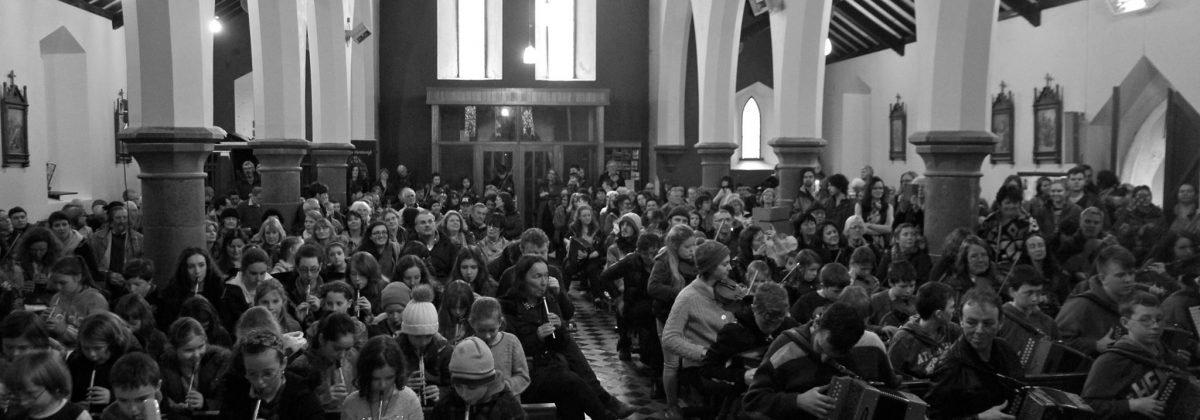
(861, 20)
(1030, 11)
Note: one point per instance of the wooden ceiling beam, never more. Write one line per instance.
(1031, 12)
(863, 23)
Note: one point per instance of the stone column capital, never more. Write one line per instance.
(328, 155)
(669, 154)
(715, 149)
(795, 154)
(953, 153)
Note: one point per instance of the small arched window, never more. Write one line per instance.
(751, 130)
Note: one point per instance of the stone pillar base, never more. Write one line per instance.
(714, 163)
(795, 154)
(333, 169)
(172, 173)
(952, 163)
(279, 166)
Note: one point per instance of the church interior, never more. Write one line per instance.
(786, 116)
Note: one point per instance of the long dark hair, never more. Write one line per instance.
(471, 252)
(523, 265)
(867, 199)
(182, 283)
(73, 265)
(34, 235)
(380, 351)
(368, 245)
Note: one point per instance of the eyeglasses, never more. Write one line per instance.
(308, 270)
(1149, 321)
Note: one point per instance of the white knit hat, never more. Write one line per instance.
(420, 317)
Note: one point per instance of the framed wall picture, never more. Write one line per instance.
(897, 131)
(14, 119)
(1047, 124)
(1002, 125)
(121, 122)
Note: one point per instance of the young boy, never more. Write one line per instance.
(335, 262)
(478, 392)
(327, 366)
(918, 347)
(394, 299)
(1023, 320)
(135, 379)
(833, 278)
(862, 265)
(1087, 320)
(1125, 379)
(335, 298)
(139, 280)
(891, 308)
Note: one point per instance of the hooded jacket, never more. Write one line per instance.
(634, 269)
(663, 287)
(1116, 378)
(319, 373)
(1086, 317)
(917, 351)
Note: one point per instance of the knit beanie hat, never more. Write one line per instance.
(709, 255)
(229, 213)
(471, 363)
(631, 218)
(420, 317)
(395, 293)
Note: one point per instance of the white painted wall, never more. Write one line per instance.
(1084, 47)
(23, 24)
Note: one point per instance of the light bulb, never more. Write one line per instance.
(215, 25)
(828, 47)
(530, 56)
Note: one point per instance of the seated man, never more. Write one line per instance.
(1023, 319)
(919, 346)
(833, 278)
(799, 365)
(1125, 379)
(973, 381)
(1086, 321)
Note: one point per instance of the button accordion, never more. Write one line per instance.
(1043, 356)
(1042, 403)
(1181, 393)
(858, 400)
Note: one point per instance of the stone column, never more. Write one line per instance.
(669, 20)
(332, 168)
(950, 127)
(168, 52)
(718, 28)
(331, 94)
(798, 34)
(277, 43)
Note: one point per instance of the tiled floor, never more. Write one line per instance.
(597, 337)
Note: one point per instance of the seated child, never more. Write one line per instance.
(103, 338)
(917, 349)
(140, 317)
(1125, 379)
(327, 367)
(270, 294)
(336, 297)
(425, 351)
(135, 381)
(891, 308)
(862, 269)
(477, 391)
(264, 390)
(191, 370)
(40, 385)
(834, 277)
(487, 321)
(381, 392)
(1023, 319)
(393, 300)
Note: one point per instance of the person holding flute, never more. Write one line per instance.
(191, 370)
(327, 368)
(426, 352)
(260, 388)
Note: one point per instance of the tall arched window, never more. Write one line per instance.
(470, 33)
(565, 38)
(751, 130)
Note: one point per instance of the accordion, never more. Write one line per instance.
(1181, 393)
(1042, 403)
(1042, 356)
(858, 400)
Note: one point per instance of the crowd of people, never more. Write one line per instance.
(445, 301)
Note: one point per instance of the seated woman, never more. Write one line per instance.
(558, 371)
(103, 338)
(191, 370)
(381, 392)
(270, 294)
(973, 268)
(239, 290)
(452, 315)
(471, 266)
(195, 275)
(260, 386)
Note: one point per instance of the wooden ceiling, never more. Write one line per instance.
(860, 27)
(111, 9)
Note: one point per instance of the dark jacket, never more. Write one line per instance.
(501, 406)
(965, 385)
(1017, 329)
(1086, 317)
(213, 365)
(721, 362)
(663, 288)
(917, 352)
(440, 258)
(920, 261)
(789, 369)
(635, 270)
(294, 402)
(802, 310)
(1116, 377)
(523, 321)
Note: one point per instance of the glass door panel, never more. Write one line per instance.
(495, 160)
(536, 161)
